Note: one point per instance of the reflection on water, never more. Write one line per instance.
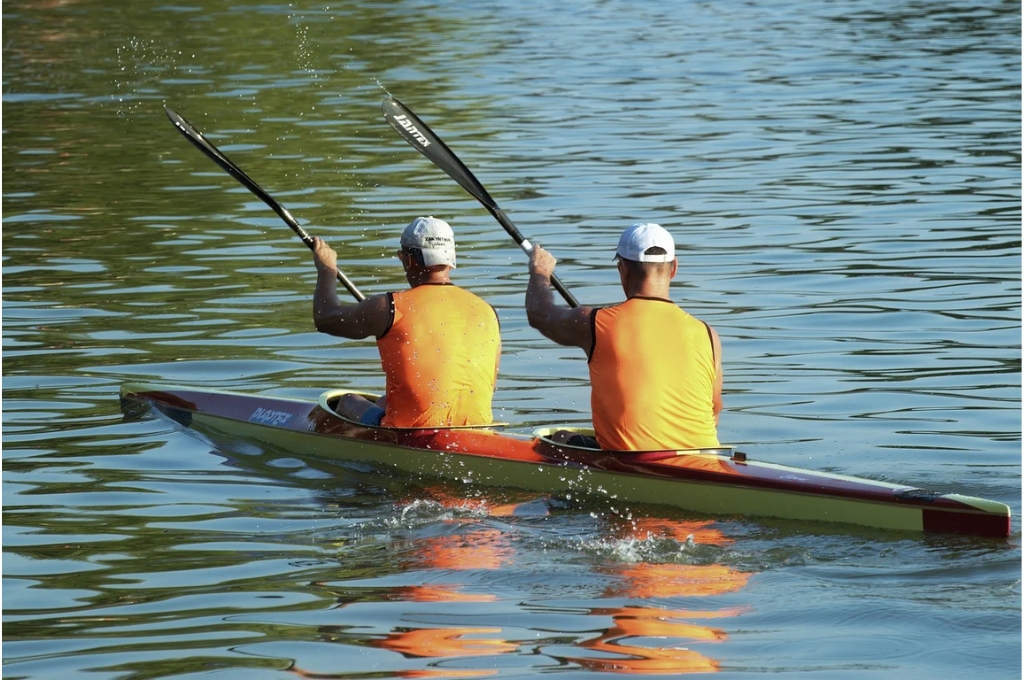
(623, 650)
(636, 638)
(643, 581)
(439, 642)
(478, 549)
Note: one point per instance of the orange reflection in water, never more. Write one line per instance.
(438, 592)
(453, 501)
(644, 580)
(437, 673)
(482, 548)
(640, 640)
(628, 641)
(625, 653)
(414, 673)
(436, 642)
(703, 532)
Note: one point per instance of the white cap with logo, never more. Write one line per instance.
(638, 238)
(434, 238)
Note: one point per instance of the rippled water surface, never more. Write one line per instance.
(843, 182)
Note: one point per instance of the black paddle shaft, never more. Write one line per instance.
(214, 154)
(413, 130)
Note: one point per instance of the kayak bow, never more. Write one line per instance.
(712, 481)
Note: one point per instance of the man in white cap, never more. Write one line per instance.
(655, 371)
(439, 344)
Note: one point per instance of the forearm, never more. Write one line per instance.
(326, 305)
(540, 301)
(565, 325)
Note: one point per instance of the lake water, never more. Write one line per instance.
(843, 182)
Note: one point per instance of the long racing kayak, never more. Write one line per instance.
(713, 481)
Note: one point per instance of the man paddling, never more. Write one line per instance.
(655, 371)
(439, 344)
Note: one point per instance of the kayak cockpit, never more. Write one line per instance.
(330, 400)
(586, 445)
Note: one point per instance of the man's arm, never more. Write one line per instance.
(370, 317)
(568, 326)
(716, 399)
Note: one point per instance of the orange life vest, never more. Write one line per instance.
(652, 376)
(439, 357)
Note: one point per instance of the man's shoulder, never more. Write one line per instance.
(651, 308)
(457, 296)
(465, 293)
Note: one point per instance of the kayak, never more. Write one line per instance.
(710, 481)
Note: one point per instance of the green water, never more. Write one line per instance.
(843, 183)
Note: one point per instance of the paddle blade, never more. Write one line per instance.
(420, 136)
(214, 154)
(413, 130)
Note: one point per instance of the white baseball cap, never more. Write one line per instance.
(635, 241)
(434, 238)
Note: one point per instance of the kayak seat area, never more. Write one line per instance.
(583, 439)
(330, 400)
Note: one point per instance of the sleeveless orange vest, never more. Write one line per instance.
(439, 357)
(652, 376)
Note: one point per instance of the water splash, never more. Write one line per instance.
(141, 65)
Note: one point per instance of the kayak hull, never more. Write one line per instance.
(717, 482)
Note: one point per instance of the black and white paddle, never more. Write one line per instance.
(213, 153)
(419, 135)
